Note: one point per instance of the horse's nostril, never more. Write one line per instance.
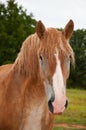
(50, 106)
(66, 104)
(50, 103)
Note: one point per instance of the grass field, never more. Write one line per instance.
(76, 112)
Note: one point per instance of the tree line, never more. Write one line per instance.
(16, 25)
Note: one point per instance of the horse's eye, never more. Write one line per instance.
(40, 57)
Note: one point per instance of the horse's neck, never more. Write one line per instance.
(17, 80)
(33, 85)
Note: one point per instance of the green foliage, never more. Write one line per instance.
(15, 26)
(78, 75)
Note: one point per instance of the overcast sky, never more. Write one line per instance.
(56, 13)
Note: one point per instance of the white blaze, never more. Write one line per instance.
(59, 88)
(58, 82)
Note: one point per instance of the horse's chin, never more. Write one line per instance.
(60, 113)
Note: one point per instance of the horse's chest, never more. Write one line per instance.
(33, 119)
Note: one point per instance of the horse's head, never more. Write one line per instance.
(54, 57)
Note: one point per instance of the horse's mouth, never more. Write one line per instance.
(58, 110)
(51, 110)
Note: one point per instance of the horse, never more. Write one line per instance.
(33, 88)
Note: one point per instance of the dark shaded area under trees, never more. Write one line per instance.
(16, 25)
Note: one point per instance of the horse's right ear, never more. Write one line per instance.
(40, 29)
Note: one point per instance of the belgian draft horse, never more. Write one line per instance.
(32, 90)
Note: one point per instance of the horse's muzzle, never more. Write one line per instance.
(50, 105)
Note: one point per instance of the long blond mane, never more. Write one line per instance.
(27, 56)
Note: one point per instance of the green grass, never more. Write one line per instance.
(61, 128)
(76, 112)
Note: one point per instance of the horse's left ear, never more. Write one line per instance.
(40, 29)
(68, 30)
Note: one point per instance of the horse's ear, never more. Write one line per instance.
(40, 29)
(68, 30)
